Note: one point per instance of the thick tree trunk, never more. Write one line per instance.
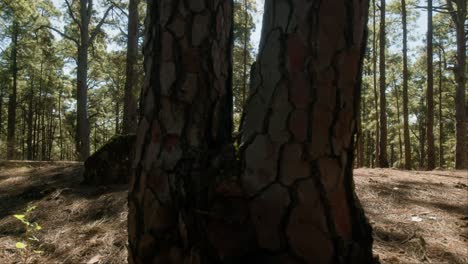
(376, 95)
(430, 92)
(12, 103)
(406, 134)
(297, 138)
(383, 160)
(186, 119)
(459, 18)
(293, 199)
(131, 81)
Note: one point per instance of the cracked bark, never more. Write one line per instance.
(290, 198)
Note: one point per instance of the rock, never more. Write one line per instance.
(112, 163)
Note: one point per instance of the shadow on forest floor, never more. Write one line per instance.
(79, 222)
(418, 217)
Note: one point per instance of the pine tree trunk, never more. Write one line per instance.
(406, 133)
(12, 101)
(383, 160)
(30, 116)
(441, 133)
(360, 136)
(422, 135)
(297, 136)
(376, 95)
(131, 80)
(291, 200)
(82, 128)
(2, 94)
(400, 145)
(117, 117)
(459, 18)
(62, 152)
(245, 51)
(430, 92)
(186, 121)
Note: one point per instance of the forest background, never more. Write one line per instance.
(39, 57)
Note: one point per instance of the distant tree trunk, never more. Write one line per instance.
(459, 18)
(185, 206)
(246, 41)
(129, 122)
(400, 145)
(12, 103)
(376, 95)
(360, 135)
(117, 117)
(383, 160)
(2, 94)
(369, 149)
(30, 116)
(441, 133)
(430, 92)
(406, 133)
(422, 135)
(60, 123)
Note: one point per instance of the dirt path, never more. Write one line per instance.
(418, 217)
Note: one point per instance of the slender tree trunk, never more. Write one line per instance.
(430, 92)
(60, 123)
(400, 145)
(12, 102)
(246, 42)
(441, 133)
(83, 130)
(2, 94)
(383, 160)
(117, 117)
(181, 210)
(29, 141)
(131, 80)
(360, 136)
(422, 135)
(406, 133)
(376, 95)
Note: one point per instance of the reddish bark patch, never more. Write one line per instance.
(156, 133)
(299, 90)
(298, 125)
(170, 142)
(296, 53)
(341, 213)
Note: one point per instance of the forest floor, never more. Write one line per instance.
(417, 216)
